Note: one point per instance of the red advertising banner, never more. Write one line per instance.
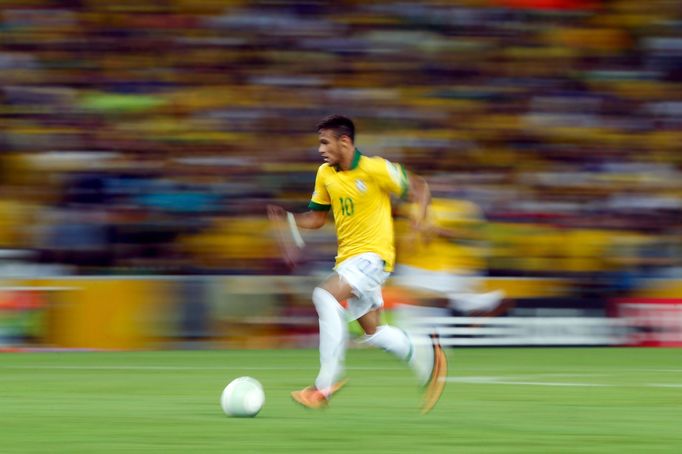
(653, 322)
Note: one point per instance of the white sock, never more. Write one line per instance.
(393, 340)
(416, 350)
(333, 338)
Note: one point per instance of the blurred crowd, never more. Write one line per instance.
(147, 136)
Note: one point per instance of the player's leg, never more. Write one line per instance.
(415, 349)
(333, 330)
(365, 274)
(370, 321)
(333, 339)
(387, 337)
(428, 359)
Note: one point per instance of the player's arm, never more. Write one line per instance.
(287, 234)
(310, 219)
(319, 206)
(395, 180)
(419, 194)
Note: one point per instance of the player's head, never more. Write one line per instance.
(337, 138)
(338, 125)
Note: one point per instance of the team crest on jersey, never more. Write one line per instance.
(362, 187)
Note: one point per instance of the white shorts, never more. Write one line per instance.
(365, 274)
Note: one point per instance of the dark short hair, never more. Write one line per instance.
(342, 126)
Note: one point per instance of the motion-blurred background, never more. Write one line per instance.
(141, 140)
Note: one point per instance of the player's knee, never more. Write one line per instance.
(326, 304)
(338, 287)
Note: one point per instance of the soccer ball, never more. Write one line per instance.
(242, 397)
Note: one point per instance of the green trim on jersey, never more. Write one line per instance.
(356, 159)
(318, 206)
(354, 163)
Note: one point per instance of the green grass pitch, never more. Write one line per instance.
(588, 400)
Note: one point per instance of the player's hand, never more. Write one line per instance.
(276, 213)
(290, 252)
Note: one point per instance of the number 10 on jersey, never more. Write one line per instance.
(347, 207)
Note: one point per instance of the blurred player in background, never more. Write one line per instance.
(358, 190)
(447, 257)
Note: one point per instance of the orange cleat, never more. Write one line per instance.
(436, 384)
(311, 397)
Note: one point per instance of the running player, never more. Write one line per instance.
(357, 189)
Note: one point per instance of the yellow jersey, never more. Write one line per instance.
(360, 199)
(438, 253)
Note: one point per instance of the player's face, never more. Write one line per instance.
(331, 147)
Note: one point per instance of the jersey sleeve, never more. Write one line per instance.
(391, 177)
(320, 200)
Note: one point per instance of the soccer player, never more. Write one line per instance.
(357, 189)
